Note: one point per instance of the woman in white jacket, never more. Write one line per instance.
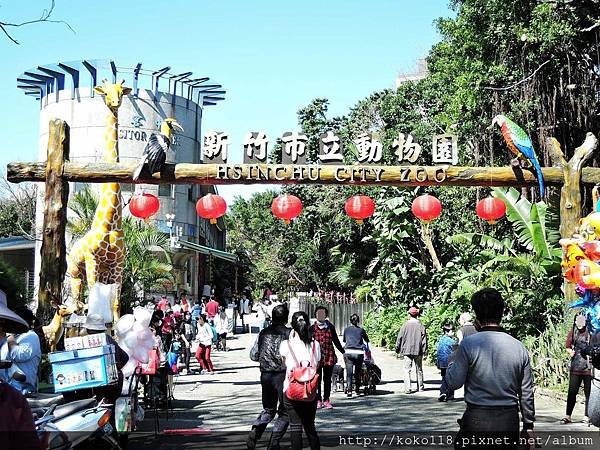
(204, 339)
(222, 327)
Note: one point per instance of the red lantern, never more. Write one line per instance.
(490, 209)
(426, 208)
(144, 206)
(211, 207)
(286, 207)
(360, 207)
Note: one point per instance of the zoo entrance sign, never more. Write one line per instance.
(365, 149)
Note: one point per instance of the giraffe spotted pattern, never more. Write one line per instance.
(99, 256)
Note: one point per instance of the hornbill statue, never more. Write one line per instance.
(155, 152)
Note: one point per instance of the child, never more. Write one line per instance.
(446, 346)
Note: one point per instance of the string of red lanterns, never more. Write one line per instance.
(288, 207)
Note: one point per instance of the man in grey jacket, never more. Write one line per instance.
(495, 370)
(412, 344)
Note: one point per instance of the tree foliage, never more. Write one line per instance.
(17, 209)
(536, 61)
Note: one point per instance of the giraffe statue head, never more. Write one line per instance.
(113, 93)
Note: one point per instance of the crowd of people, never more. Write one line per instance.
(297, 363)
(296, 367)
(493, 367)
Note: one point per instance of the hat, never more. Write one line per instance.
(413, 311)
(94, 322)
(12, 322)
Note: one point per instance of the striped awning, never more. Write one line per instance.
(231, 257)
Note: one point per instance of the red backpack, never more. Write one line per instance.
(303, 379)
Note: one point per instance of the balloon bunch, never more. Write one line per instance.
(581, 265)
(135, 337)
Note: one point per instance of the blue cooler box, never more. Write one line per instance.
(82, 369)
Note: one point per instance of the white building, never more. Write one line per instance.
(65, 91)
(420, 73)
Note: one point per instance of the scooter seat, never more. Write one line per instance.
(45, 400)
(72, 407)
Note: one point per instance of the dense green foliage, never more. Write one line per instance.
(535, 61)
(322, 249)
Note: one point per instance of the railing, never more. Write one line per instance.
(339, 313)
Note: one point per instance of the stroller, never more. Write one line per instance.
(338, 382)
(371, 372)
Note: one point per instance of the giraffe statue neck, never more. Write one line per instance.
(111, 149)
(109, 211)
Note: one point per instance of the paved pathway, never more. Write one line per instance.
(224, 405)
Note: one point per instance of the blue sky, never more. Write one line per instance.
(272, 57)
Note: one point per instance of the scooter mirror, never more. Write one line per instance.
(20, 377)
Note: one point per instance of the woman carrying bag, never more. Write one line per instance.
(301, 356)
(581, 369)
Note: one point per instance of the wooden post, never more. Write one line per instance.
(53, 253)
(570, 192)
(426, 236)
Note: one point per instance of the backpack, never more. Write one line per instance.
(176, 347)
(303, 379)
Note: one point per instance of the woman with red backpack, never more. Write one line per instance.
(301, 356)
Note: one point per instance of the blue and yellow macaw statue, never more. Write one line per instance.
(520, 144)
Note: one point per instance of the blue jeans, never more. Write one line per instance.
(444, 388)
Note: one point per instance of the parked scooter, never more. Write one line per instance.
(66, 426)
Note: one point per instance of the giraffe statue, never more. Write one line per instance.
(99, 255)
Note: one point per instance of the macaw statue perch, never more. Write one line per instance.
(520, 144)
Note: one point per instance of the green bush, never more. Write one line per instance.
(549, 359)
(382, 325)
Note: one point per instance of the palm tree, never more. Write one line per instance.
(147, 259)
(83, 205)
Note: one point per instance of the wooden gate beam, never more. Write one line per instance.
(219, 174)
